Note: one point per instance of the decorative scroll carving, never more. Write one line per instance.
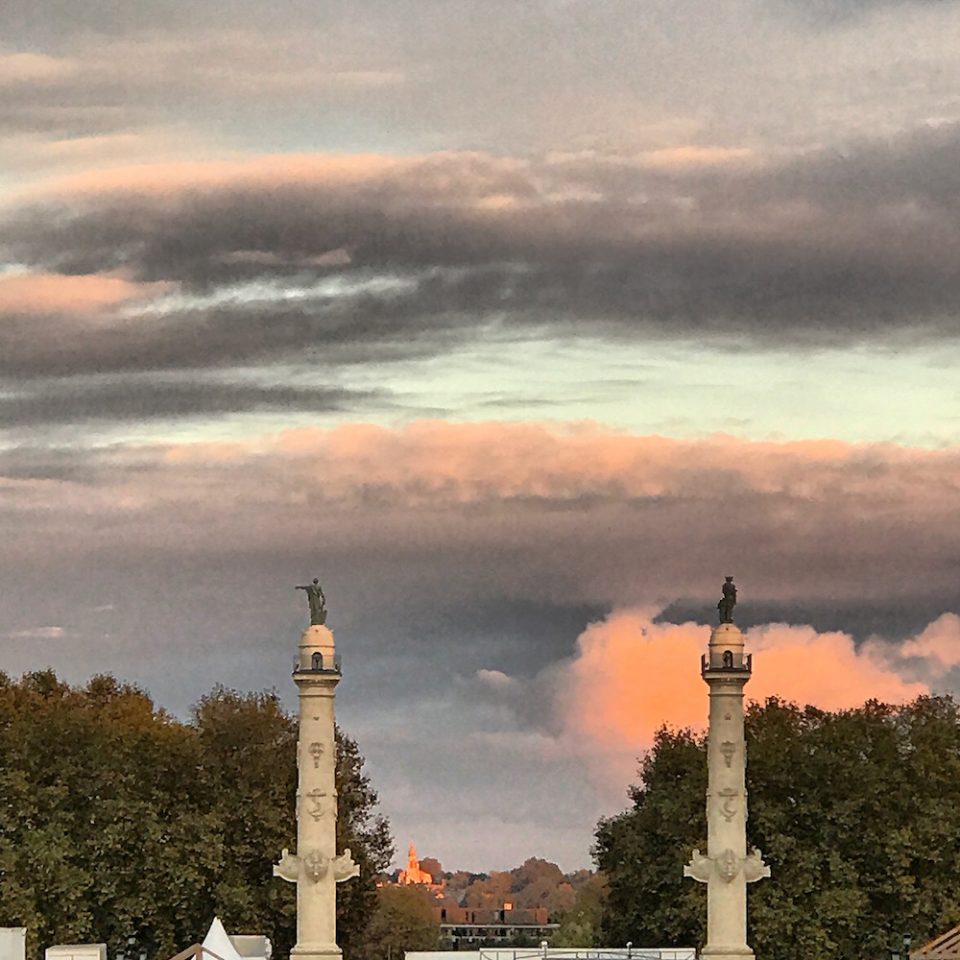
(728, 748)
(699, 868)
(316, 751)
(754, 868)
(344, 867)
(315, 866)
(727, 866)
(288, 868)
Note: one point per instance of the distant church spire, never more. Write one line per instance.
(414, 874)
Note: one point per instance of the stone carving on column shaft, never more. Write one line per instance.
(317, 810)
(729, 806)
(701, 868)
(754, 868)
(314, 866)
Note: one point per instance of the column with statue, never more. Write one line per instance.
(316, 868)
(728, 865)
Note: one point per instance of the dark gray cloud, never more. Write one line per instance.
(829, 248)
(841, 11)
(142, 399)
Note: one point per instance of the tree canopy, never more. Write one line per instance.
(404, 920)
(118, 820)
(855, 811)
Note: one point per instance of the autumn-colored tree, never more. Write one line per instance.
(489, 893)
(855, 811)
(580, 925)
(432, 866)
(117, 820)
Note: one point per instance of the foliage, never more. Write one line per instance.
(580, 926)
(404, 920)
(117, 820)
(535, 883)
(855, 812)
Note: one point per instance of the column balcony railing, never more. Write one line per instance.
(729, 662)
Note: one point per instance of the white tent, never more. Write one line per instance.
(218, 943)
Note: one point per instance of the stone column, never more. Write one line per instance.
(727, 867)
(315, 868)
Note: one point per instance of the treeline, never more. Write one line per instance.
(118, 821)
(535, 883)
(857, 813)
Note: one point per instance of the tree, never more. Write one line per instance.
(855, 811)
(367, 834)
(118, 820)
(432, 866)
(404, 920)
(580, 925)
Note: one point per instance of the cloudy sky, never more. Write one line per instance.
(518, 324)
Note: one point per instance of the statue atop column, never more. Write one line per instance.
(728, 601)
(317, 601)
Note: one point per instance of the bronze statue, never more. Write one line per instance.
(317, 601)
(728, 602)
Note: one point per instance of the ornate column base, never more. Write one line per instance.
(318, 951)
(727, 953)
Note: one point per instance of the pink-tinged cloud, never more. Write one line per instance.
(573, 514)
(468, 462)
(33, 68)
(939, 642)
(38, 294)
(391, 181)
(631, 675)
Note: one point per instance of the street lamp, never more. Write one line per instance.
(907, 941)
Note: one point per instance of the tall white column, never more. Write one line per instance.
(315, 868)
(727, 867)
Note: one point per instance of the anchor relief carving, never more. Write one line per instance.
(318, 809)
(729, 806)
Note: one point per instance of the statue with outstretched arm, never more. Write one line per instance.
(317, 601)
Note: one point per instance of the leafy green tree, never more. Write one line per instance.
(855, 811)
(367, 834)
(404, 920)
(117, 820)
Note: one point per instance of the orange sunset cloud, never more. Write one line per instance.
(631, 675)
(52, 293)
